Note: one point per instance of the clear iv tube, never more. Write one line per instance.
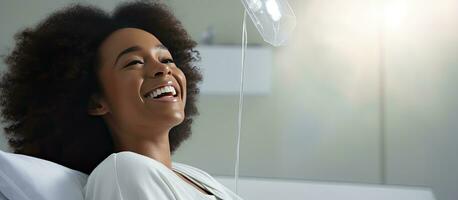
(242, 77)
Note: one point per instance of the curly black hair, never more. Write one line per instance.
(52, 73)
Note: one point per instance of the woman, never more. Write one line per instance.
(109, 95)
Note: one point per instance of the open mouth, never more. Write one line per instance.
(167, 91)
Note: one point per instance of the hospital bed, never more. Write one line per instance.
(28, 178)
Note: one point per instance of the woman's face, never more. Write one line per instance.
(134, 68)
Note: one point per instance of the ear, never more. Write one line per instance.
(97, 106)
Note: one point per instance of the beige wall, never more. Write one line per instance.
(321, 120)
(318, 123)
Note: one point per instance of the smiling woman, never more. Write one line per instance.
(135, 120)
(116, 98)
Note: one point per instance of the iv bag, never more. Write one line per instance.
(274, 19)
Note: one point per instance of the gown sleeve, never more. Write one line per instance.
(122, 176)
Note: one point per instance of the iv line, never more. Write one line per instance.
(242, 77)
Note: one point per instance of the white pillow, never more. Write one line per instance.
(28, 178)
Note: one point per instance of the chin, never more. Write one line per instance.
(176, 119)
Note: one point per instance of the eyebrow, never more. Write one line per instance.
(137, 48)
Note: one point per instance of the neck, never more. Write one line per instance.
(156, 148)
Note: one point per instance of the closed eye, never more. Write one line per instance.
(168, 61)
(134, 63)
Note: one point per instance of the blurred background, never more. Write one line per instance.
(364, 92)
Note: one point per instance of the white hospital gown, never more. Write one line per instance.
(130, 176)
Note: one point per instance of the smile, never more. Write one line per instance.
(165, 93)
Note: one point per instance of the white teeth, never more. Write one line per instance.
(159, 91)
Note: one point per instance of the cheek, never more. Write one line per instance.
(182, 80)
(122, 90)
(128, 86)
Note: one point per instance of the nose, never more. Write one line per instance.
(160, 69)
